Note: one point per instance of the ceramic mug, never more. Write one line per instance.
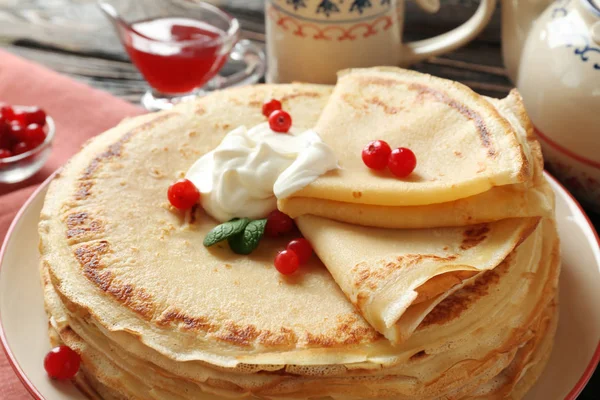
(310, 40)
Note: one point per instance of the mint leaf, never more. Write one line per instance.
(247, 241)
(225, 230)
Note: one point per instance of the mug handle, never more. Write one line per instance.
(429, 6)
(457, 37)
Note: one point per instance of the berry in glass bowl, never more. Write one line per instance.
(26, 135)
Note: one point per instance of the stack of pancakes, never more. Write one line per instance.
(439, 286)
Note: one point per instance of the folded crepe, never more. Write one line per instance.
(395, 277)
(478, 163)
(477, 158)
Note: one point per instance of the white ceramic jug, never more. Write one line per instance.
(554, 60)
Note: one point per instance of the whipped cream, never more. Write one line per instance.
(252, 168)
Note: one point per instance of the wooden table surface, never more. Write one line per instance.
(93, 55)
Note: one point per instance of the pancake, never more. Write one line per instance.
(383, 271)
(111, 365)
(156, 315)
(434, 195)
(107, 220)
(434, 117)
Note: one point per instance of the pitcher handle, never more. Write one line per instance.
(253, 59)
(451, 40)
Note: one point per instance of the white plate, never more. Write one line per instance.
(23, 324)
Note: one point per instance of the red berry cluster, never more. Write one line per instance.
(378, 155)
(296, 253)
(21, 130)
(279, 120)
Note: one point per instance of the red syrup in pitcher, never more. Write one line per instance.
(175, 55)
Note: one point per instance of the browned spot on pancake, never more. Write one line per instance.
(379, 81)
(361, 299)
(231, 332)
(114, 151)
(345, 332)
(453, 306)
(255, 103)
(319, 340)
(412, 259)
(292, 96)
(371, 276)
(471, 114)
(357, 195)
(89, 256)
(284, 337)
(224, 125)
(81, 226)
(362, 272)
(354, 102)
(474, 236)
(83, 190)
(418, 356)
(458, 153)
(238, 335)
(200, 109)
(386, 108)
(437, 95)
(136, 299)
(195, 323)
(348, 333)
(367, 278)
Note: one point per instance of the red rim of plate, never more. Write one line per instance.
(572, 395)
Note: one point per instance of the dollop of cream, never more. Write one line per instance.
(252, 168)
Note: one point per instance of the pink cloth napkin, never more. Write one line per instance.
(80, 112)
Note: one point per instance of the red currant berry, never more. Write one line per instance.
(302, 248)
(7, 112)
(21, 147)
(4, 153)
(375, 155)
(4, 127)
(34, 135)
(402, 162)
(286, 262)
(278, 224)
(36, 115)
(183, 194)
(17, 132)
(62, 363)
(280, 121)
(4, 133)
(20, 118)
(270, 106)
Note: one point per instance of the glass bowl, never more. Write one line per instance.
(22, 166)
